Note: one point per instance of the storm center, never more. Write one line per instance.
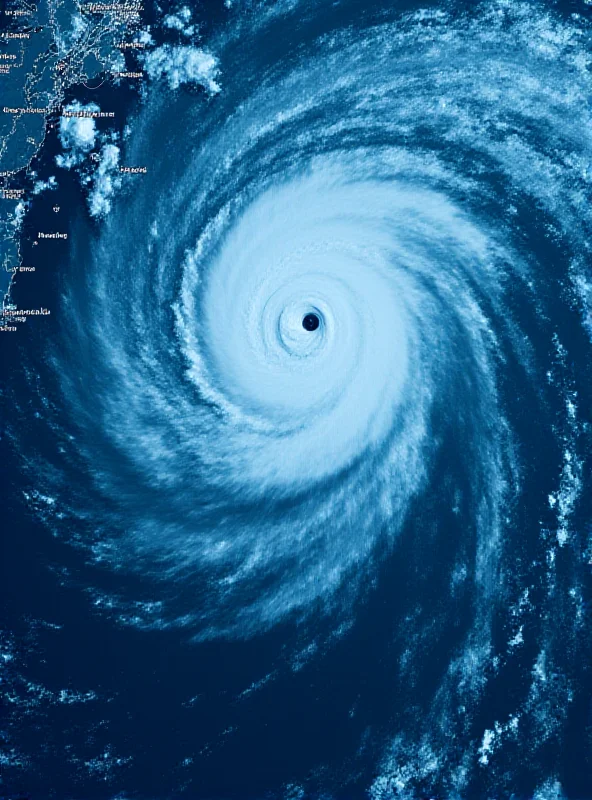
(310, 322)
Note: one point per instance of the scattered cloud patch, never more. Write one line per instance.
(115, 62)
(77, 135)
(145, 37)
(106, 180)
(99, 171)
(550, 790)
(42, 186)
(180, 22)
(517, 639)
(492, 739)
(183, 64)
(19, 214)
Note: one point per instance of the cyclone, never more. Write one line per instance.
(335, 355)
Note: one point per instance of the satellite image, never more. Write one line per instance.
(296, 388)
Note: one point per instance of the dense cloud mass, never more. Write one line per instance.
(419, 184)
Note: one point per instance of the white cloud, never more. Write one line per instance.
(77, 135)
(99, 174)
(179, 22)
(551, 790)
(145, 37)
(41, 186)
(19, 214)
(106, 181)
(183, 64)
(174, 22)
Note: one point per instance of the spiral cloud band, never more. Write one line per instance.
(326, 338)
